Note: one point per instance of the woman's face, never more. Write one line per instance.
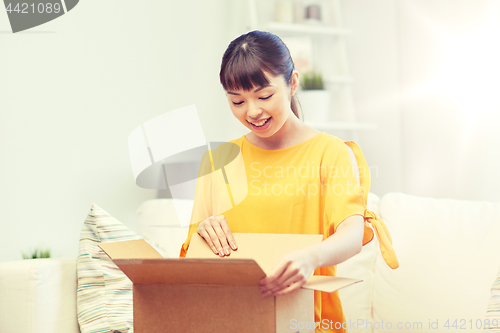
(264, 110)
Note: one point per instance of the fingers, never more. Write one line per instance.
(293, 282)
(215, 231)
(223, 247)
(271, 278)
(204, 233)
(228, 233)
(285, 277)
(210, 235)
(289, 288)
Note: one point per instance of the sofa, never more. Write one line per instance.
(448, 251)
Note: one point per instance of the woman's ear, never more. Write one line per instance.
(295, 82)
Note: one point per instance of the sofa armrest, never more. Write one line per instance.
(38, 295)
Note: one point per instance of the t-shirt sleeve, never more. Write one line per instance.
(379, 227)
(202, 206)
(341, 195)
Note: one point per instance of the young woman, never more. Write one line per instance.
(260, 81)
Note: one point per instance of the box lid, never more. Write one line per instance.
(256, 254)
(191, 271)
(143, 264)
(266, 249)
(132, 249)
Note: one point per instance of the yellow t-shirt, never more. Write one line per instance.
(308, 188)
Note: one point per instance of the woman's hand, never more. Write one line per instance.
(290, 273)
(215, 231)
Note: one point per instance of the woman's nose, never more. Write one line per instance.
(254, 111)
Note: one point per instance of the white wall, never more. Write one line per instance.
(73, 89)
(450, 74)
(427, 72)
(374, 59)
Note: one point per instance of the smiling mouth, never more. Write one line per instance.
(260, 124)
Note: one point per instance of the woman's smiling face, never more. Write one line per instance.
(269, 103)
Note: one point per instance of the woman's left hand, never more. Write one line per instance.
(290, 273)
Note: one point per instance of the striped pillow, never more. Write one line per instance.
(492, 321)
(104, 295)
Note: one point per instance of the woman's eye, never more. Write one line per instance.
(237, 103)
(267, 97)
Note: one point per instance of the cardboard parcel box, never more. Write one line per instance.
(206, 293)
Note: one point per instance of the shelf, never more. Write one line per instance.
(307, 29)
(342, 125)
(326, 44)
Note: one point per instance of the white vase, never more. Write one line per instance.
(315, 105)
(284, 11)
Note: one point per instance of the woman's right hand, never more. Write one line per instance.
(215, 231)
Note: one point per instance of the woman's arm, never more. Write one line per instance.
(295, 268)
(345, 243)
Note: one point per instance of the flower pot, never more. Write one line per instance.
(315, 105)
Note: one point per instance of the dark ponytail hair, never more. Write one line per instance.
(249, 56)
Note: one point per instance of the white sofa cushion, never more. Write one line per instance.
(38, 295)
(449, 253)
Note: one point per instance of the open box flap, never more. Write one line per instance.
(256, 254)
(143, 264)
(328, 284)
(265, 249)
(191, 271)
(132, 249)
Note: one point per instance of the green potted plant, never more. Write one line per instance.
(312, 81)
(314, 98)
(37, 254)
